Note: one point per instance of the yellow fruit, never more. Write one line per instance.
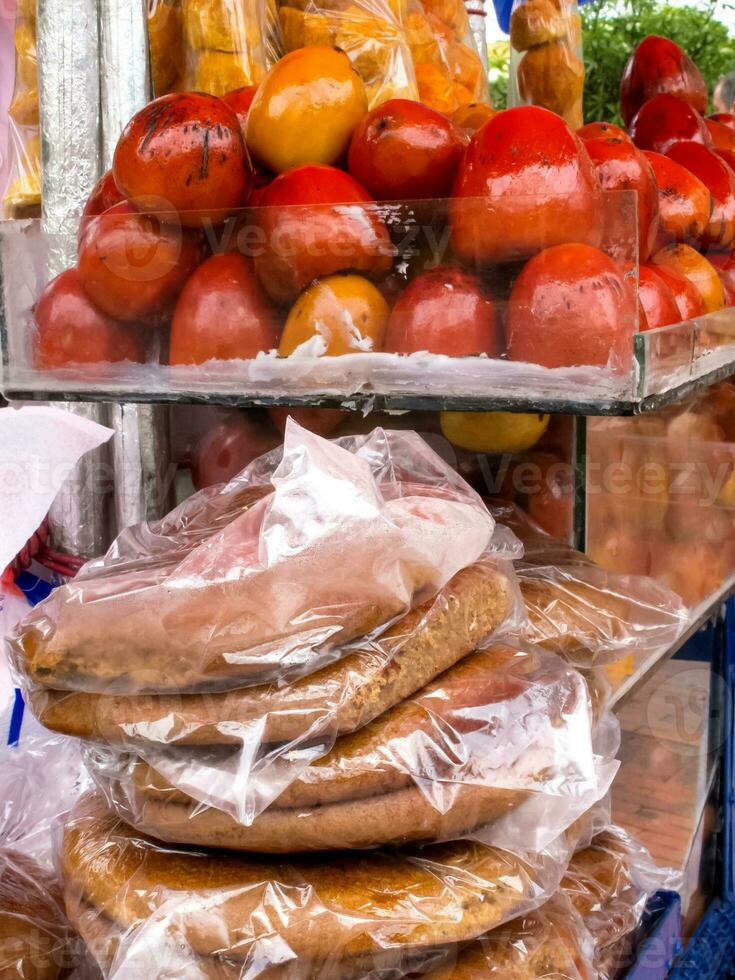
(346, 313)
(493, 432)
(306, 109)
(689, 263)
(166, 52)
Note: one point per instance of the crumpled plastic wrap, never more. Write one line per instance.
(370, 32)
(609, 883)
(546, 66)
(145, 909)
(587, 614)
(263, 619)
(22, 196)
(448, 67)
(350, 538)
(41, 777)
(213, 46)
(499, 748)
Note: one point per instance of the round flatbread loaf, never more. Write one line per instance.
(35, 939)
(337, 906)
(420, 772)
(338, 698)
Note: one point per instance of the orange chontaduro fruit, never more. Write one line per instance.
(341, 314)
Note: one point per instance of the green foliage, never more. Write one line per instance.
(498, 58)
(612, 28)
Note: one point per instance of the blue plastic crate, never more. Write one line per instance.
(711, 953)
(660, 942)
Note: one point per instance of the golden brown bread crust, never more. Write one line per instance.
(366, 791)
(337, 699)
(337, 905)
(34, 936)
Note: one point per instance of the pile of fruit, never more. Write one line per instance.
(262, 222)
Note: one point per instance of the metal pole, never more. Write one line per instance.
(141, 444)
(68, 61)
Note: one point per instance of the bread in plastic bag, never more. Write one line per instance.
(551, 942)
(352, 536)
(22, 196)
(499, 748)
(370, 32)
(199, 914)
(583, 612)
(546, 57)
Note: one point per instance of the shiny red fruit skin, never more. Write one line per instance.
(240, 101)
(227, 448)
(536, 187)
(570, 306)
(724, 263)
(321, 421)
(444, 311)
(621, 166)
(184, 152)
(307, 234)
(105, 195)
(71, 330)
(720, 179)
(656, 299)
(687, 296)
(665, 120)
(685, 203)
(602, 131)
(725, 118)
(132, 267)
(659, 66)
(222, 314)
(723, 137)
(403, 150)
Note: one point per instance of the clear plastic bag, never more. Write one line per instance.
(609, 883)
(587, 614)
(145, 909)
(166, 45)
(353, 535)
(224, 43)
(546, 67)
(448, 67)
(550, 942)
(499, 748)
(370, 32)
(22, 196)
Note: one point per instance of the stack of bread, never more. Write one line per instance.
(291, 673)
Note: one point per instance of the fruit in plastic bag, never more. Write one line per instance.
(132, 266)
(536, 187)
(444, 311)
(165, 44)
(26, 65)
(218, 25)
(537, 22)
(658, 65)
(305, 109)
(315, 223)
(337, 315)
(552, 76)
(222, 313)
(71, 330)
(570, 306)
(405, 150)
(439, 91)
(219, 72)
(304, 28)
(665, 120)
(24, 108)
(184, 152)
